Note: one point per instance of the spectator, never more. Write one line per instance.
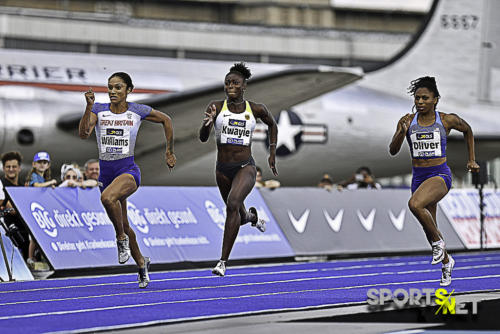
(362, 179)
(326, 182)
(72, 177)
(38, 177)
(260, 183)
(11, 164)
(92, 169)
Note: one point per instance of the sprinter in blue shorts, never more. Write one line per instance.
(234, 121)
(426, 133)
(116, 126)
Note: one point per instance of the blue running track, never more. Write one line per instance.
(80, 304)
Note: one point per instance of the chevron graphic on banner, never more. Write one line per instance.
(299, 224)
(336, 222)
(368, 221)
(398, 221)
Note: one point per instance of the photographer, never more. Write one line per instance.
(361, 179)
(11, 164)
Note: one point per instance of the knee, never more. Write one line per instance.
(414, 205)
(107, 200)
(232, 205)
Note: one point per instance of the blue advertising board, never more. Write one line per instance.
(172, 224)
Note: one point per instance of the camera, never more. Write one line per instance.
(15, 235)
(11, 231)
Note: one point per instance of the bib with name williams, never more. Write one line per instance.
(235, 129)
(116, 133)
(427, 142)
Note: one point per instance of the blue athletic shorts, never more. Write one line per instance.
(420, 174)
(111, 169)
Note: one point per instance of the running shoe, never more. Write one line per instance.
(447, 268)
(220, 268)
(437, 251)
(143, 276)
(123, 250)
(260, 224)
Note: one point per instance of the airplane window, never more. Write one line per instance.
(25, 137)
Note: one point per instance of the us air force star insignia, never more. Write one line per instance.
(292, 133)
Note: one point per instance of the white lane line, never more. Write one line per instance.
(488, 258)
(162, 280)
(199, 288)
(42, 314)
(240, 284)
(397, 264)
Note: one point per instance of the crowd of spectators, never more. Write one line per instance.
(362, 178)
(40, 175)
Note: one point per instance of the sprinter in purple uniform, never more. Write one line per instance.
(116, 126)
(426, 133)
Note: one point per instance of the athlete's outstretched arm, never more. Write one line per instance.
(261, 112)
(208, 121)
(453, 121)
(156, 116)
(89, 119)
(399, 135)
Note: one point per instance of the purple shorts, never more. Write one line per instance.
(420, 174)
(110, 170)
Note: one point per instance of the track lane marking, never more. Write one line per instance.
(42, 314)
(236, 275)
(239, 284)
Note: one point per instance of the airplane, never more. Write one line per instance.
(331, 119)
(42, 101)
(352, 126)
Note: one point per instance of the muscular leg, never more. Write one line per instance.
(224, 184)
(134, 247)
(430, 192)
(241, 186)
(433, 210)
(121, 187)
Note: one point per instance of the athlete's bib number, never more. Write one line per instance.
(426, 144)
(235, 132)
(115, 141)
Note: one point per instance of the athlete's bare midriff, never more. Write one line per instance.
(428, 162)
(233, 153)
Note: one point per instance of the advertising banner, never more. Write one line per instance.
(189, 222)
(461, 206)
(172, 224)
(319, 222)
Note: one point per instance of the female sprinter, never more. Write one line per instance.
(234, 120)
(426, 133)
(116, 125)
